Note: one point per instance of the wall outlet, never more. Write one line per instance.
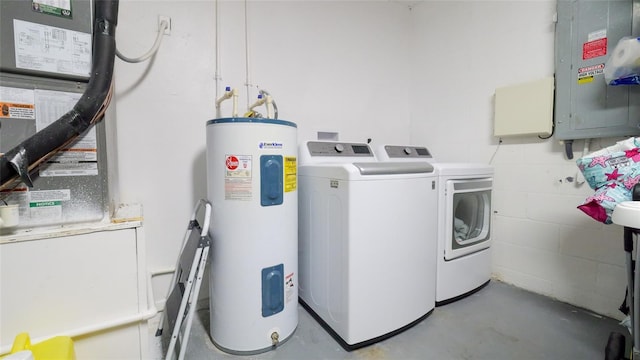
(162, 18)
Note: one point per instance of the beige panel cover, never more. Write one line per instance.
(524, 109)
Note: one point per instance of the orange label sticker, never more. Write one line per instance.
(18, 111)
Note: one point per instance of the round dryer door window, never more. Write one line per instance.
(468, 216)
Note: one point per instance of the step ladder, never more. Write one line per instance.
(185, 285)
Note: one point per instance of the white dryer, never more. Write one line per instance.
(464, 221)
(361, 241)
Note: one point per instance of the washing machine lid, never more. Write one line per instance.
(393, 168)
(367, 170)
(421, 153)
(347, 160)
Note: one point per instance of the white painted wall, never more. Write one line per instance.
(424, 74)
(463, 51)
(160, 110)
(330, 66)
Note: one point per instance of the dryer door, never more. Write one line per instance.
(468, 216)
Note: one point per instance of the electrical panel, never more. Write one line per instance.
(45, 64)
(587, 31)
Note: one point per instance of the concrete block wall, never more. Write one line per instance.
(543, 243)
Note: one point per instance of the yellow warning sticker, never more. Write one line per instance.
(585, 80)
(290, 173)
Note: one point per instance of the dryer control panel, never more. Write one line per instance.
(397, 151)
(323, 148)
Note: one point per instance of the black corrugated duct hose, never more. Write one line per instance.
(17, 164)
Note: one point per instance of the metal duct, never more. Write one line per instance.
(19, 162)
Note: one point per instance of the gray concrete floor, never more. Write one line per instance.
(498, 322)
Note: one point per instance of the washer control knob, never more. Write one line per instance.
(339, 148)
(408, 151)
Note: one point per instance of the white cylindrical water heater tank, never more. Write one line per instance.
(252, 186)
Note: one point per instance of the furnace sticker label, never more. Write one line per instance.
(51, 49)
(16, 103)
(47, 204)
(17, 111)
(64, 169)
(50, 195)
(238, 178)
(53, 7)
(290, 173)
(79, 159)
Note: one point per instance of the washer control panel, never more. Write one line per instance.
(418, 152)
(324, 148)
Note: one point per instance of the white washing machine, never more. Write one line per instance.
(361, 241)
(464, 221)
